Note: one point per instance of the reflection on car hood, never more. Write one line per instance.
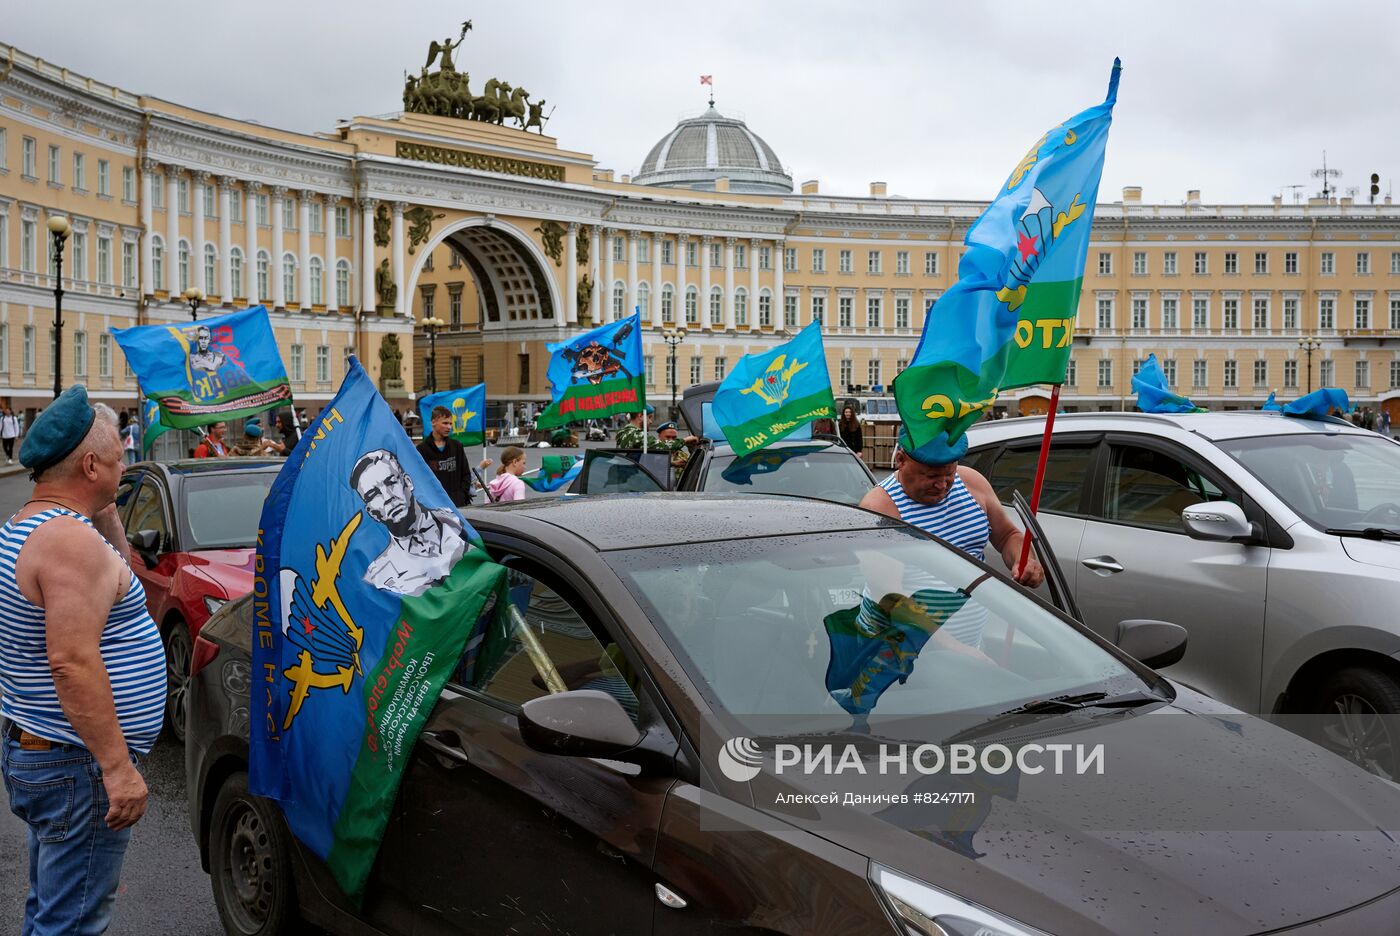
(1383, 553)
(232, 569)
(1235, 819)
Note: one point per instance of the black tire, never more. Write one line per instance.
(250, 864)
(179, 650)
(1357, 708)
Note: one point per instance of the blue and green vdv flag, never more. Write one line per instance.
(468, 407)
(555, 472)
(1008, 321)
(368, 587)
(769, 395)
(597, 374)
(222, 368)
(1155, 395)
(151, 426)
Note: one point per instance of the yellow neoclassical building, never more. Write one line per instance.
(512, 241)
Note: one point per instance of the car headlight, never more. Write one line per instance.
(212, 604)
(926, 911)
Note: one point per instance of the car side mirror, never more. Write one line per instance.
(1218, 521)
(145, 543)
(580, 723)
(1154, 644)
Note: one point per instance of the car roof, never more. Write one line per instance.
(629, 521)
(187, 467)
(1235, 424)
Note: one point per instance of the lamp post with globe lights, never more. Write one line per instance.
(673, 337)
(59, 228)
(431, 324)
(194, 296)
(1309, 344)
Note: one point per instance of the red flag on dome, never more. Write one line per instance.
(706, 79)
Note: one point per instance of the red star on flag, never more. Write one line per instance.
(1026, 245)
(306, 624)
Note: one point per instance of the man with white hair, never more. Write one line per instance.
(82, 669)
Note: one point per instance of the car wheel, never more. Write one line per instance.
(1357, 706)
(179, 649)
(250, 863)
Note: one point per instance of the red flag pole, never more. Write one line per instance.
(1039, 475)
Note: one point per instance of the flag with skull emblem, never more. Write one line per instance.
(597, 374)
(767, 396)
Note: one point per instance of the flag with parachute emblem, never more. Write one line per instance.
(1008, 321)
(767, 396)
(151, 426)
(468, 407)
(555, 472)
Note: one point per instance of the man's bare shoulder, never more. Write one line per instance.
(64, 551)
(879, 500)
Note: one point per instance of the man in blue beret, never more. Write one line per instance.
(930, 490)
(82, 669)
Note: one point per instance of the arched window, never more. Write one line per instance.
(765, 307)
(668, 304)
(289, 278)
(692, 306)
(619, 301)
(716, 306)
(235, 274)
(264, 286)
(184, 258)
(741, 307)
(157, 264)
(211, 265)
(644, 301)
(342, 283)
(317, 270)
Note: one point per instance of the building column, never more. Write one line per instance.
(304, 251)
(275, 270)
(332, 275)
(172, 233)
(729, 284)
(656, 282)
(251, 191)
(779, 296)
(632, 237)
(681, 241)
(226, 242)
(605, 313)
(368, 300)
(595, 267)
(148, 168)
(198, 180)
(703, 306)
(401, 301)
(571, 274)
(753, 284)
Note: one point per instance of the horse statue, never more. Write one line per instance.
(488, 106)
(514, 106)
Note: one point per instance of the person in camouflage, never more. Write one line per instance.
(668, 440)
(630, 435)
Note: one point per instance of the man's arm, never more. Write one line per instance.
(879, 500)
(76, 580)
(1005, 538)
(110, 526)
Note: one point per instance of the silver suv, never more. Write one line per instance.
(1275, 542)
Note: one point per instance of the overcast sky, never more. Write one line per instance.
(938, 99)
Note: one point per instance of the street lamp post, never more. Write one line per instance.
(1309, 345)
(431, 324)
(194, 296)
(59, 228)
(673, 337)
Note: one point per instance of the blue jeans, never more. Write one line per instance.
(74, 859)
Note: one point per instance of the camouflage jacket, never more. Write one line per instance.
(630, 437)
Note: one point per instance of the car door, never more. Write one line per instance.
(500, 838)
(1136, 561)
(623, 472)
(150, 511)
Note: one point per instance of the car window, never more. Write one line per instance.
(124, 491)
(834, 475)
(546, 645)
(615, 474)
(223, 511)
(1151, 488)
(1067, 470)
(148, 513)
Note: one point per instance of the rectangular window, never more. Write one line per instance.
(847, 265)
(715, 259)
(1363, 265)
(1326, 373)
(104, 177)
(1169, 313)
(765, 309)
(721, 367)
(790, 311)
(1137, 365)
(80, 354)
(873, 312)
(29, 158)
(847, 371)
(872, 372)
(692, 253)
(235, 206)
(289, 214)
(27, 350)
(1394, 374)
(318, 218)
(129, 264)
(1395, 314)
(1363, 313)
(211, 201)
(874, 262)
(1232, 263)
(4, 155)
(619, 253)
(1139, 312)
(323, 364)
(157, 191)
(644, 250)
(1105, 372)
(1105, 263)
(1105, 319)
(901, 312)
(1200, 373)
(1327, 312)
(342, 220)
(1261, 373)
(697, 370)
(454, 307)
(789, 259)
(1290, 375)
(1202, 264)
(455, 371)
(1232, 374)
(1395, 262)
(1261, 313)
(1169, 371)
(1290, 312)
(819, 309)
(261, 214)
(55, 171)
(931, 263)
(104, 260)
(1261, 263)
(668, 255)
(1290, 262)
(183, 195)
(1363, 375)
(1071, 373)
(1139, 263)
(1169, 263)
(765, 258)
(901, 263)
(818, 259)
(1329, 263)
(78, 272)
(298, 373)
(1231, 313)
(845, 311)
(128, 183)
(26, 245)
(1200, 312)
(104, 355)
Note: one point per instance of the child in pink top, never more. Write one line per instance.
(507, 486)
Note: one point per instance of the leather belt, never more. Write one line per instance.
(30, 742)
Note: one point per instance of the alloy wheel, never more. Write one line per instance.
(1353, 728)
(178, 654)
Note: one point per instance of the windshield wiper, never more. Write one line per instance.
(1057, 705)
(1370, 533)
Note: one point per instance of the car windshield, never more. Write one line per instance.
(1331, 480)
(223, 510)
(881, 622)
(810, 471)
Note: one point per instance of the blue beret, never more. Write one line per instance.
(937, 451)
(252, 430)
(58, 430)
(651, 410)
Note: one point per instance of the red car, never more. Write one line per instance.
(192, 526)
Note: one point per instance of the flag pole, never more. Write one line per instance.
(1039, 475)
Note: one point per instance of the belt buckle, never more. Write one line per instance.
(32, 742)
